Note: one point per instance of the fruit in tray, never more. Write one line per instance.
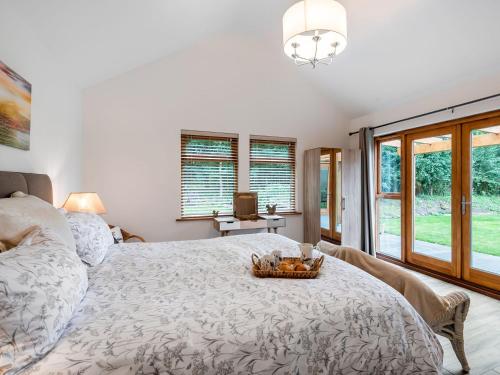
(288, 266)
(302, 267)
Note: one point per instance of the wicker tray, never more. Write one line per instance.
(311, 274)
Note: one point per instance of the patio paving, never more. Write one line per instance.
(390, 244)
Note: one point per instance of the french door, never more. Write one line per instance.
(480, 202)
(432, 203)
(446, 217)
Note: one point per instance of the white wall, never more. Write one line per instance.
(55, 144)
(470, 90)
(132, 128)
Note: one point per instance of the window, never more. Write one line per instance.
(209, 173)
(272, 172)
(389, 197)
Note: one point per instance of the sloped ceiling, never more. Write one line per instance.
(397, 50)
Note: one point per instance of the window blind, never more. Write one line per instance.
(209, 173)
(272, 172)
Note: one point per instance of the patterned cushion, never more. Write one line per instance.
(92, 236)
(42, 283)
(18, 214)
(117, 234)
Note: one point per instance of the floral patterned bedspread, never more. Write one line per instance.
(193, 307)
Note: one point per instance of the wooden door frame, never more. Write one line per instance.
(392, 195)
(452, 268)
(328, 232)
(332, 181)
(473, 274)
(336, 235)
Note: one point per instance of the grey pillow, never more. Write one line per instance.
(92, 236)
(42, 284)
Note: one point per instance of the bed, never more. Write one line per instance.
(193, 307)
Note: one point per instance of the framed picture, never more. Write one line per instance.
(15, 109)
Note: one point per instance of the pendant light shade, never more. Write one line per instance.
(314, 31)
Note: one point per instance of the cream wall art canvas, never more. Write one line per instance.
(15, 109)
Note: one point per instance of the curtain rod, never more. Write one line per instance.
(452, 108)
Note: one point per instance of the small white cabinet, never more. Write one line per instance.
(225, 224)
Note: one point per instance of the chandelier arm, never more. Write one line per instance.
(316, 39)
(302, 58)
(303, 63)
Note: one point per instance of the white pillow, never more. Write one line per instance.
(18, 214)
(43, 283)
(92, 236)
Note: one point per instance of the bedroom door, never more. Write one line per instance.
(480, 199)
(432, 204)
(312, 196)
(351, 198)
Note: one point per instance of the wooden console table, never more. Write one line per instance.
(226, 224)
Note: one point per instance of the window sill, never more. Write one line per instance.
(206, 218)
(290, 213)
(196, 218)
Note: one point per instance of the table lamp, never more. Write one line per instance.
(84, 202)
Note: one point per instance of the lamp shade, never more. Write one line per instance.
(84, 202)
(314, 29)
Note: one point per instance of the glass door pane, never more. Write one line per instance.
(432, 196)
(390, 166)
(389, 227)
(389, 198)
(433, 200)
(485, 199)
(480, 203)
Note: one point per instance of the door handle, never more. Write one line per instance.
(464, 204)
(342, 204)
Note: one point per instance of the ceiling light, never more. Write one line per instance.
(314, 31)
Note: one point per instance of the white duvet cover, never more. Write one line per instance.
(193, 307)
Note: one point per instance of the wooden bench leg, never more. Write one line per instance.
(459, 349)
(452, 325)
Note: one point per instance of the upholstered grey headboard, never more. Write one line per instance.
(38, 185)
